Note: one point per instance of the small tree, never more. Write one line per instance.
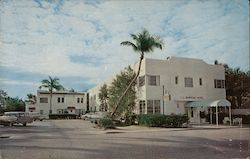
(116, 89)
(103, 97)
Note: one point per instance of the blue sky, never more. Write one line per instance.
(79, 40)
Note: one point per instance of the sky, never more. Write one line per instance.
(78, 41)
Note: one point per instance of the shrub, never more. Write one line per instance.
(106, 123)
(158, 120)
(130, 120)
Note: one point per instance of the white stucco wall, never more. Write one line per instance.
(70, 100)
(168, 69)
(183, 67)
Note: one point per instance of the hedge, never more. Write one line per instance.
(62, 116)
(106, 123)
(158, 120)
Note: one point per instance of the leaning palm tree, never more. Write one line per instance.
(143, 43)
(51, 84)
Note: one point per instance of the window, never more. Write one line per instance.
(153, 107)
(154, 80)
(157, 106)
(200, 81)
(141, 81)
(63, 100)
(58, 99)
(78, 100)
(43, 100)
(219, 83)
(81, 100)
(192, 112)
(188, 82)
(41, 112)
(59, 111)
(150, 106)
(176, 79)
(142, 107)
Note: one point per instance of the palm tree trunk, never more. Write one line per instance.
(50, 102)
(129, 86)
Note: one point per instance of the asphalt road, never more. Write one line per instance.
(66, 139)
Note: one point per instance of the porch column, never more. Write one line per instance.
(211, 115)
(230, 115)
(217, 117)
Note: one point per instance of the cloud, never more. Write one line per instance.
(82, 38)
(5, 81)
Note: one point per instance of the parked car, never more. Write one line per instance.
(21, 117)
(95, 115)
(7, 120)
(36, 116)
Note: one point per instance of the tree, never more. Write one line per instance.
(31, 98)
(143, 43)
(117, 88)
(237, 85)
(51, 84)
(15, 104)
(3, 96)
(103, 97)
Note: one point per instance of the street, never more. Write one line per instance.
(66, 139)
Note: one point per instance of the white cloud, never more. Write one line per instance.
(42, 40)
(5, 81)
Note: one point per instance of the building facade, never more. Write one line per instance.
(63, 102)
(166, 86)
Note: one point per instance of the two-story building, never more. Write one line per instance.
(169, 86)
(63, 102)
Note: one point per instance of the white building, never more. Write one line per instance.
(166, 86)
(63, 102)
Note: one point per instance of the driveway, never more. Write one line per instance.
(66, 139)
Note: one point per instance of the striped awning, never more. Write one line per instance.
(209, 103)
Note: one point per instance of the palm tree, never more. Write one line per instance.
(31, 98)
(51, 84)
(143, 43)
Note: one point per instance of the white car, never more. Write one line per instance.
(7, 120)
(21, 118)
(95, 115)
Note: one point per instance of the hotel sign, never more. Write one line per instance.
(193, 97)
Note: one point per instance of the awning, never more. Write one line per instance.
(209, 103)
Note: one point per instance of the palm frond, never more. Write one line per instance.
(134, 37)
(144, 42)
(128, 43)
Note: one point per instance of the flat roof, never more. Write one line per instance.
(60, 92)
